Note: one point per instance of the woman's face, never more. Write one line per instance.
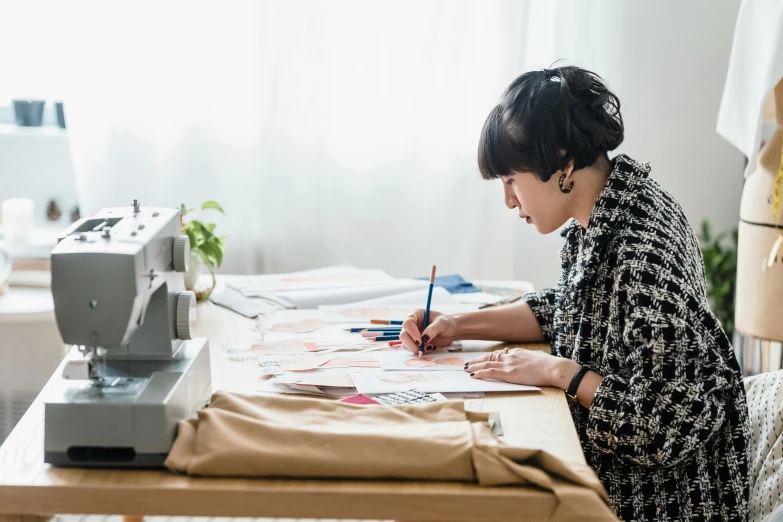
(541, 203)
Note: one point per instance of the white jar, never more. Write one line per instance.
(17, 215)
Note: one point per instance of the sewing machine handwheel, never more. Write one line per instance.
(181, 253)
(186, 315)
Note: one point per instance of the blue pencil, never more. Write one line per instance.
(384, 338)
(426, 321)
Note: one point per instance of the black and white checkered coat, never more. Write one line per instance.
(667, 431)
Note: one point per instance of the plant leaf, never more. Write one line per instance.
(705, 231)
(212, 204)
(212, 252)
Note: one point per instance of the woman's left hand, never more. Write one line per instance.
(518, 366)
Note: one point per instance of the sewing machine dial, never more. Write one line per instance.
(181, 253)
(186, 315)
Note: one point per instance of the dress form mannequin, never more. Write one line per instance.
(759, 305)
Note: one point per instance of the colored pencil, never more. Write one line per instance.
(395, 343)
(384, 321)
(374, 333)
(374, 329)
(426, 321)
(384, 338)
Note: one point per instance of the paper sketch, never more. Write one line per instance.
(290, 347)
(301, 326)
(404, 360)
(429, 382)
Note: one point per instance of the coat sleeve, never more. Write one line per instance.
(675, 388)
(543, 305)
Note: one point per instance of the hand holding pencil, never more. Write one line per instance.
(442, 331)
(424, 330)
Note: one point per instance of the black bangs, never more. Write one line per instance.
(498, 154)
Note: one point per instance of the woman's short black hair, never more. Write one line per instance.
(547, 118)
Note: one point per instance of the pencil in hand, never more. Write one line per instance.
(426, 321)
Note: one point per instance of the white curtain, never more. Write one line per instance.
(330, 131)
(347, 130)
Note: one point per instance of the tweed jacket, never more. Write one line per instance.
(667, 431)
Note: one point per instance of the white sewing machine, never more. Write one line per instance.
(135, 369)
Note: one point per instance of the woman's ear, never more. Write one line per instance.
(569, 170)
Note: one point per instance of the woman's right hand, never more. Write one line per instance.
(442, 331)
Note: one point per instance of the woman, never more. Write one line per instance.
(657, 395)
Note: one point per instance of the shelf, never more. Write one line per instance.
(47, 131)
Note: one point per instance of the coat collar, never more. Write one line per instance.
(625, 180)
(611, 210)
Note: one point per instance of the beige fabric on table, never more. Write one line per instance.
(280, 436)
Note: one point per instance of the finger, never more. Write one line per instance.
(491, 373)
(411, 325)
(408, 342)
(471, 367)
(433, 330)
(480, 359)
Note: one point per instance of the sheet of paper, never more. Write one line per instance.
(363, 314)
(412, 300)
(272, 386)
(340, 276)
(429, 382)
(405, 361)
(334, 379)
(478, 298)
(248, 306)
(298, 327)
(331, 285)
(306, 299)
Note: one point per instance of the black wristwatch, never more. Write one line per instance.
(571, 391)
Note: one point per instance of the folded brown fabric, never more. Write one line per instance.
(280, 436)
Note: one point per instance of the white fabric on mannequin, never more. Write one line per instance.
(756, 66)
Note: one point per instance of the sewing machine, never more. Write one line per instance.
(134, 370)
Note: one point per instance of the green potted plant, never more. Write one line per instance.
(206, 248)
(720, 270)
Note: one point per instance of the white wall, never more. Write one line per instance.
(667, 62)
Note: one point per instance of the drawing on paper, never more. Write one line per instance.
(287, 347)
(427, 362)
(359, 361)
(297, 327)
(406, 378)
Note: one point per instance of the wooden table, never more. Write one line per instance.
(30, 489)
